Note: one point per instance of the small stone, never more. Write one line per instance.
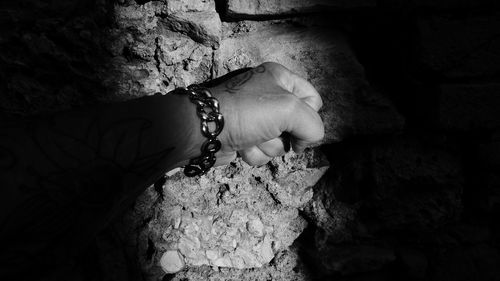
(255, 227)
(212, 255)
(237, 261)
(177, 223)
(171, 261)
(202, 27)
(189, 247)
(266, 252)
(249, 259)
(223, 262)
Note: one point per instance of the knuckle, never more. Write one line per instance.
(275, 68)
(291, 103)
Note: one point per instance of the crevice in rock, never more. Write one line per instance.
(158, 187)
(150, 251)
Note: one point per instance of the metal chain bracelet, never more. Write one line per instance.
(207, 108)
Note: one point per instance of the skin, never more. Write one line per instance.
(65, 176)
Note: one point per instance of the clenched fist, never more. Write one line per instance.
(259, 106)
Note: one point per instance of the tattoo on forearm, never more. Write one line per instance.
(87, 174)
(84, 164)
(234, 85)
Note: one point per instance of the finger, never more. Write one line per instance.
(274, 147)
(304, 90)
(306, 127)
(254, 156)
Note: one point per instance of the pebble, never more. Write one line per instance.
(171, 261)
(255, 227)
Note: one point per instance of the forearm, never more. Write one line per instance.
(98, 157)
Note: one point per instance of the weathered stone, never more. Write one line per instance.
(461, 47)
(203, 27)
(231, 217)
(323, 57)
(141, 18)
(245, 8)
(180, 61)
(148, 58)
(469, 107)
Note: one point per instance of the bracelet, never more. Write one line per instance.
(204, 101)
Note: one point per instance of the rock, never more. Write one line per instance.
(396, 184)
(469, 107)
(461, 47)
(140, 18)
(320, 55)
(203, 27)
(255, 227)
(248, 8)
(231, 217)
(174, 6)
(171, 262)
(328, 214)
(286, 266)
(181, 61)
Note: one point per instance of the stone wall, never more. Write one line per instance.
(404, 186)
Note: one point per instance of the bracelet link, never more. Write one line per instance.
(207, 109)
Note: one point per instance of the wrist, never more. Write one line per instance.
(210, 125)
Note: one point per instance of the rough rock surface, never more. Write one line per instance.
(235, 216)
(279, 7)
(320, 55)
(397, 185)
(286, 266)
(174, 6)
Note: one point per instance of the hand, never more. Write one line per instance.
(261, 104)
